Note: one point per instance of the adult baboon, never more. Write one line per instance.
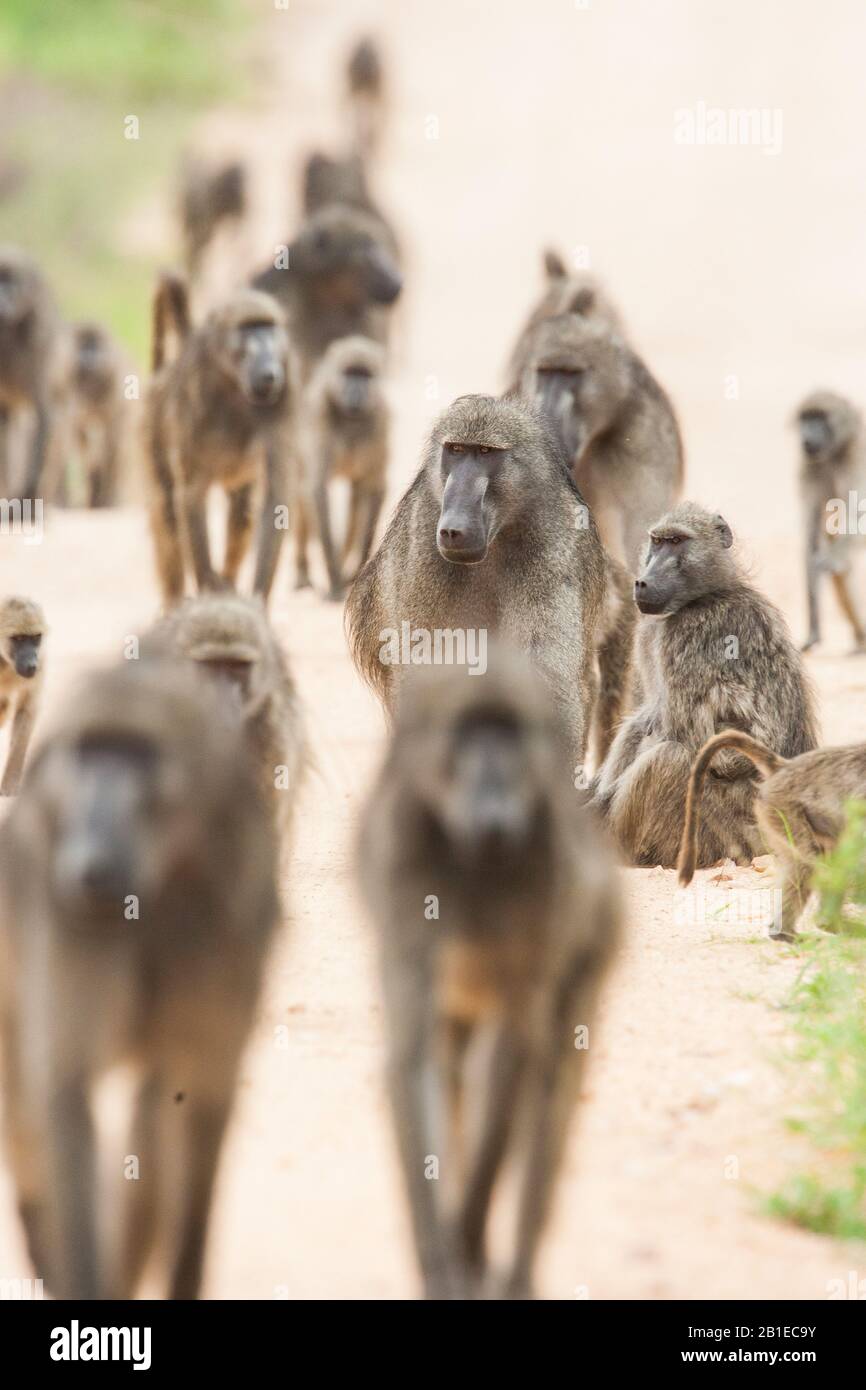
(22, 628)
(492, 535)
(29, 325)
(230, 638)
(616, 425)
(497, 911)
(566, 292)
(209, 196)
(220, 413)
(342, 433)
(832, 468)
(327, 181)
(713, 654)
(93, 413)
(365, 95)
(137, 873)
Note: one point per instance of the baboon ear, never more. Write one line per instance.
(583, 302)
(554, 265)
(726, 535)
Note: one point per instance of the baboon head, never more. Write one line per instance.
(22, 627)
(688, 558)
(352, 369)
(340, 252)
(228, 637)
(579, 375)
(574, 294)
(485, 461)
(20, 286)
(248, 340)
(329, 180)
(92, 358)
(827, 424)
(364, 68)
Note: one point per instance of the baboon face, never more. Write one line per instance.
(827, 424)
(21, 628)
(22, 652)
(92, 357)
(255, 351)
(355, 392)
(683, 562)
(579, 379)
(816, 435)
(339, 247)
(467, 522)
(17, 290)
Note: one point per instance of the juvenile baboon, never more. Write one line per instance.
(94, 413)
(566, 292)
(799, 807)
(616, 425)
(492, 535)
(365, 95)
(230, 638)
(342, 433)
(22, 627)
(713, 654)
(209, 197)
(219, 414)
(832, 467)
(29, 325)
(497, 911)
(137, 873)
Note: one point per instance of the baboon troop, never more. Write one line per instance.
(29, 324)
(497, 912)
(22, 628)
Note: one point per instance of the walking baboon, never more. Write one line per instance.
(713, 654)
(342, 433)
(567, 292)
(219, 414)
(497, 911)
(365, 95)
(616, 425)
(29, 325)
(832, 468)
(137, 873)
(230, 638)
(209, 197)
(22, 628)
(492, 535)
(93, 414)
(327, 181)
(799, 807)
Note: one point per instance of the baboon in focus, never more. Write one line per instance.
(713, 654)
(220, 413)
(93, 411)
(22, 628)
(616, 425)
(492, 536)
(138, 883)
(29, 331)
(497, 911)
(567, 292)
(230, 638)
(832, 467)
(342, 433)
(800, 810)
(365, 96)
(209, 197)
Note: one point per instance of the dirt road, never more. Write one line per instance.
(740, 275)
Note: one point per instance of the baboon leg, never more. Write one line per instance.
(192, 501)
(25, 1153)
(647, 808)
(813, 572)
(276, 496)
(614, 661)
(353, 526)
(302, 536)
(72, 1180)
(323, 521)
(846, 603)
(165, 529)
(372, 499)
(793, 888)
(507, 1065)
(240, 530)
(621, 755)
(19, 739)
(205, 1123)
(143, 1204)
(33, 476)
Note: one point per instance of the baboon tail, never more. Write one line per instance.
(764, 759)
(170, 314)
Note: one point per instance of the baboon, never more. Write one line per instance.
(209, 197)
(342, 433)
(492, 535)
(22, 628)
(93, 411)
(497, 911)
(219, 413)
(137, 872)
(339, 279)
(327, 181)
(799, 807)
(713, 654)
(616, 425)
(229, 637)
(567, 292)
(832, 467)
(29, 324)
(365, 96)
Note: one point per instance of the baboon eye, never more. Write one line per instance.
(455, 448)
(483, 449)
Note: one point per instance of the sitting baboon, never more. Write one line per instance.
(22, 628)
(566, 292)
(220, 413)
(93, 415)
(616, 425)
(342, 433)
(492, 535)
(497, 911)
(29, 330)
(713, 654)
(799, 807)
(365, 96)
(230, 638)
(832, 468)
(138, 883)
(209, 197)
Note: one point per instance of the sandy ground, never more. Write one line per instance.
(553, 122)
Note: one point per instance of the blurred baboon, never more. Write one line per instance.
(339, 278)
(832, 470)
(616, 425)
(342, 433)
(209, 197)
(327, 181)
(566, 292)
(497, 911)
(137, 872)
(29, 325)
(713, 654)
(22, 627)
(220, 413)
(230, 638)
(492, 535)
(93, 414)
(799, 807)
(365, 96)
